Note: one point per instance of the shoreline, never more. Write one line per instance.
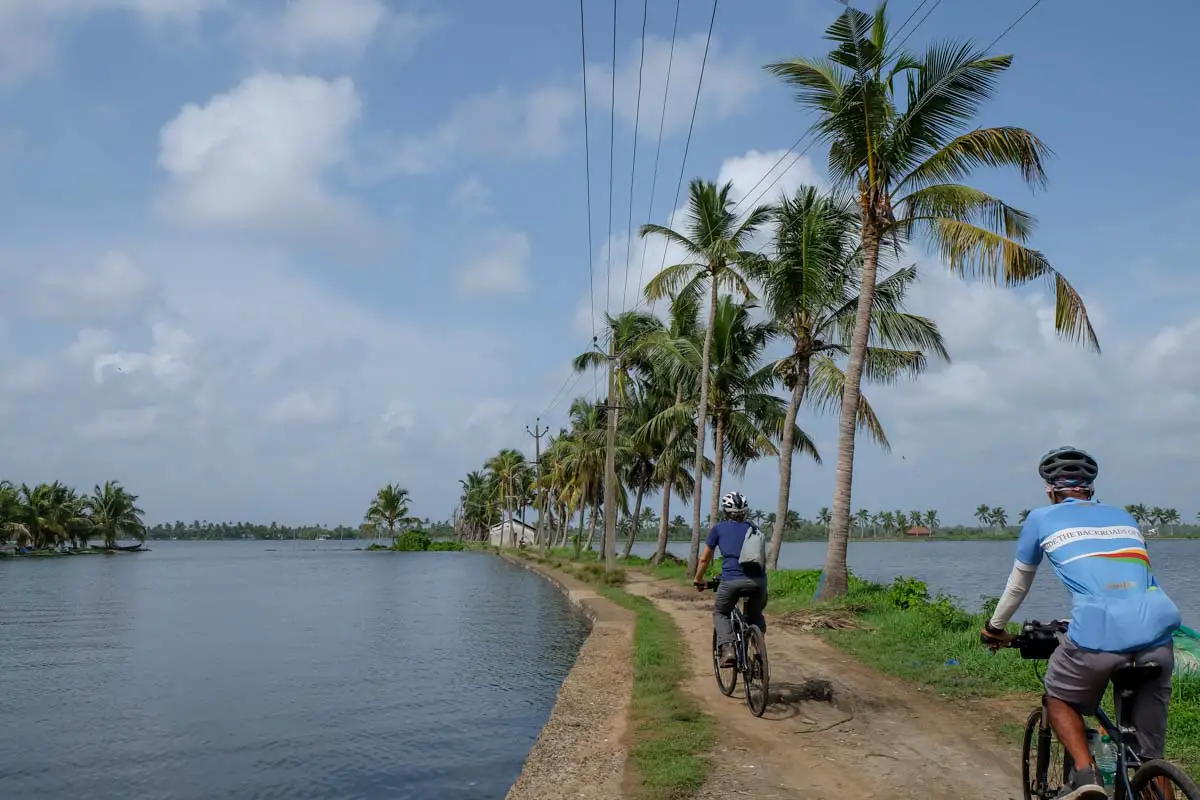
(581, 751)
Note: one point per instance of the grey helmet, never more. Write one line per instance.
(1068, 468)
(734, 504)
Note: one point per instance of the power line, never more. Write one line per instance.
(691, 125)
(587, 151)
(915, 108)
(796, 143)
(612, 140)
(658, 148)
(637, 117)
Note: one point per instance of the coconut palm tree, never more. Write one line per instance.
(931, 520)
(1024, 515)
(810, 290)
(904, 152)
(715, 244)
(983, 513)
(389, 508)
(114, 514)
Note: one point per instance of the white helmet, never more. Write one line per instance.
(734, 504)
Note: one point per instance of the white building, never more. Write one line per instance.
(512, 534)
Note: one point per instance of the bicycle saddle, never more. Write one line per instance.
(1133, 675)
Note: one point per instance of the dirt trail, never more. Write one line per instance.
(874, 737)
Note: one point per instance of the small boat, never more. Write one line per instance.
(124, 548)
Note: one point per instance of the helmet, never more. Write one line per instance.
(734, 503)
(1068, 468)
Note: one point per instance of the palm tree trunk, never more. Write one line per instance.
(836, 579)
(701, 424)
(637, 521)
(786, 445)
(664, 527)
(718, 468)
(591, 529)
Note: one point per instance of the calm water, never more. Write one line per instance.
(203, 670)
(970, 570)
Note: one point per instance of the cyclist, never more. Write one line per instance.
(728, 536)
(1119, 612)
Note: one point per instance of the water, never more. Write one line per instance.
(971, 570)
(219, 669)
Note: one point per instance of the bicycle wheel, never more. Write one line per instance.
(1041, 757)
(726, 677)
(1145, 787)
(758, 671)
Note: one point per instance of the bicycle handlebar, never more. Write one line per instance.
(1037, 640)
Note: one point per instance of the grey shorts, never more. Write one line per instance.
(1080, 677)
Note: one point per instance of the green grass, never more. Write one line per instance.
(671, 736)
(904, 632)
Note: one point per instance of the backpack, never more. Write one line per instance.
(753, 556)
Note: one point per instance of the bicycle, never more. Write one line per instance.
(1134, 778)
(750, 660)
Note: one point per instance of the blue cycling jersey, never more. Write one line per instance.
(1099, 553)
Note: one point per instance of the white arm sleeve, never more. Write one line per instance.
(1014, 592)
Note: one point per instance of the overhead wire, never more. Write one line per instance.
(612, 141)
(637, 118)
(587, 151)
(658, 147)
(915, 108)
(692, 124)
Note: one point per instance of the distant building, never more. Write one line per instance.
(512, 534)
(918, 530)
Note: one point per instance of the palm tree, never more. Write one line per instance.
(1024, 515)
(513, 478)
(864, 520)
(810, 286)
(389, 509)
(999, 518)
(114, 513)
(931, 520)
(823, 517)
(715, 244)
(984, 514)
(903, 153)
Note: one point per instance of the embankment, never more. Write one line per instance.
(581, 752)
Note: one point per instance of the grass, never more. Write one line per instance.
(671, 736)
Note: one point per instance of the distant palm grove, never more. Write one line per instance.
(55, 516)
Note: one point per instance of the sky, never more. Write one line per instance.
(260, 258)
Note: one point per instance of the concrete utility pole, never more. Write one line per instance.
(610, 462)
(537, 433)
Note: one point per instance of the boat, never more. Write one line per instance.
(124, 548)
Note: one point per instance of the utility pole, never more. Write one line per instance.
(610, 462)
(537, 433)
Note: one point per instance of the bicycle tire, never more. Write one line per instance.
(727, 689)
(1163, 769)
(1031, 769)
(758, 672)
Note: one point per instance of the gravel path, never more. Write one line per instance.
(581, 753)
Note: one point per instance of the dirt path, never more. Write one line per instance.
(874, 736)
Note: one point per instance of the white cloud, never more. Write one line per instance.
(472, 197)
(731, 79)
(166, 360)
(257, 158)
(500, 124)
(121, 424)
(304, 407)
(340, 29)
(29, 29)
(115, 287)
(498, 268)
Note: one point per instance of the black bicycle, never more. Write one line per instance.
(1046, 765)
(750, 661)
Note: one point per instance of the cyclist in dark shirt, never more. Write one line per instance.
(728, 536)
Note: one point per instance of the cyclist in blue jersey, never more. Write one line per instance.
(1119, 612)
(728, 536)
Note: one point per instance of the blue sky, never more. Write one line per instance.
(261, 258)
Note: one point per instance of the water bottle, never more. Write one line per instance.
(1106, 760)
